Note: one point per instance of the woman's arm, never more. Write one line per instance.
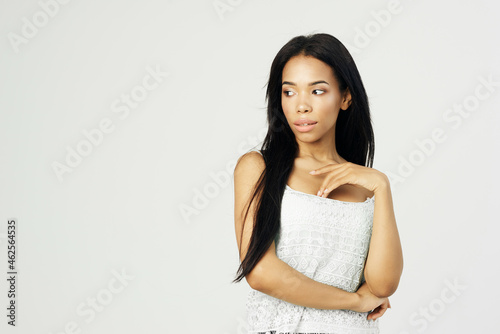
(384, 263)
(273, 276)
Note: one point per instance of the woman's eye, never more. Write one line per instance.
(316, 92)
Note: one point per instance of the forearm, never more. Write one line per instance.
(279, 280)
(384, 263)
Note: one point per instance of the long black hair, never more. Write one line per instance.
(354, 137)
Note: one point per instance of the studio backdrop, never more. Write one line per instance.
(121, 123)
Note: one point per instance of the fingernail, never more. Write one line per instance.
(319, 192)
(312, 172)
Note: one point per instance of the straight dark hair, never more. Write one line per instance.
(354, 137)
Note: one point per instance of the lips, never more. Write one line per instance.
(304, 120)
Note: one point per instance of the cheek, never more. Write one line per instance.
(329, 101)
(287, 108)
(329, 108)
(285, 105)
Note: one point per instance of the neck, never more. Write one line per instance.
(322, 150)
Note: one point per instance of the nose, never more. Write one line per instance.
(303, 106)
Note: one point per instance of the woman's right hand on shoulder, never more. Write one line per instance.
(367, 302)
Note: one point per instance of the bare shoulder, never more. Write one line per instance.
(247, 172)
(249, 164)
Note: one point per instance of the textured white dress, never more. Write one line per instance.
(327, 240)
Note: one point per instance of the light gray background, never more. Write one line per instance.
(121, 208)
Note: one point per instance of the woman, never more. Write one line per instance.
(315, 224)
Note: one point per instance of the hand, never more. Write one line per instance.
(369, 302)
(349, 173)
(379, 310)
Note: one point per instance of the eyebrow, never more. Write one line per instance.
(311, 84)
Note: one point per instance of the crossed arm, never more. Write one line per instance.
(276, 278)
(384, 263)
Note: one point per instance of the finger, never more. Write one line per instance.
(383, 308)
(378, 312)
(373, 314)
(333, 182)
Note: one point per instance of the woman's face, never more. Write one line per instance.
(310, 91)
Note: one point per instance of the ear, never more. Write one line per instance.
(346, 101)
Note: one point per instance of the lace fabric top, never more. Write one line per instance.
(327, 240)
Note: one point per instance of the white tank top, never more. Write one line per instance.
(327, 240)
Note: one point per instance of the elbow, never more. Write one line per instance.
(385, 290)
(254, 278)
(264, 280)
(383, 285)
